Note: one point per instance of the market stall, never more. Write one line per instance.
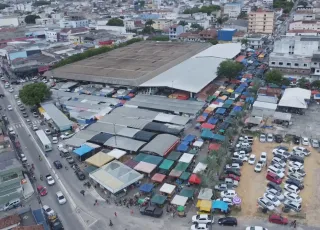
(194, 179)
(200, 167)
(158, 178)
(187, 192)
(204, 206)
(168, 189)
(146, 188)
(145, 167)
(158, 200)
(166, 164)
(186, 158)
(174, 156)
(205, 194)
(179, 200)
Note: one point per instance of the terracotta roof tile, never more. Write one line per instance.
(9, 221)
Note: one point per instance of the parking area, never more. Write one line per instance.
(253, 185)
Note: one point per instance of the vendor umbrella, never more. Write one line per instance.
(180, 209)
(194, 179)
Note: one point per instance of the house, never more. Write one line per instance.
(189, 37)
(233, 10)
(73, 22)
(255, 41)
(10, 222)
(315, 65)
(161, 24)
(305, 25)
(207, 35)
(261, 22)
(52, 35)
(238, 24)
(174, 31)
(44, 21)
(304, 16)
(129, 24)
(72, 34)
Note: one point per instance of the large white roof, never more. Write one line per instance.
(225, 51)
(295, 98)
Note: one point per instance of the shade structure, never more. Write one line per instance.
(84, 149)
(146, 187)
(156, 160)
(174, 155)
(158, 178)
(236, 200)
(182, 147)
(185, 176)
(181, 166)
(189, 138)
(99, 159)
(145, 167)
(117, 153)
(211, 98)
(226, 106)
(187, 192)
(205, 194)
(206, 134)
(167, 188)
(204, 205)
(220, 111)
(166, 164)
(194, 179)
(197, 144)
(158, 199)
(175, 173)
(193, 151)
(131, 163)
(180, 208)
(201, 119)
(228, 102)
(218, 137)
(179, 200)
(200, 167)
(214, 146)
(213, 120)
(100, 138)
(221, 205)
(186, 158)
(207, 126)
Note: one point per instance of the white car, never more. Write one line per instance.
(50, 180)
(263, 157)
(293, 197)
(10, 107)
(278, 172)
(281, 152)
(61, 198)
(258, 166)
(256, 228)
(264, 203)
(263, 138)
(11, 131)
(275, 193)
(11, 90)
(269, 137)
(202, 219)
(274, 200)
(66, 135)
(298, 172)
(6, 85)
(16, 97)
(278, 161)
(296, 176)
(199, 227)
(34, 127)
(55, 140)
(233, 166)
(292, 188)
(22, 81)
(252, 159)
(296, 164)
(34, 78)
(226, 200)
(277, 166)
(305, 141)
(315, 143)
(228, 194)
(47, 210)
(299, 149)
(19, 102)
(47, 131)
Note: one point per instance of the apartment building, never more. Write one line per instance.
(73, 22)
(305, 25)
(161, 24)
(233, 10)
(261, 22)
(174, 31)
(304, 16)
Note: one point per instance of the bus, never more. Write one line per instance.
(46, 143)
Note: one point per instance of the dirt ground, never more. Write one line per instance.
(253, 185)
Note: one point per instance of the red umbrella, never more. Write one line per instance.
(214, 146)
(207, 126)
(194, 179)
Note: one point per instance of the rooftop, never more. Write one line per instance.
(130, 65)
(9, 221)
(8, 161)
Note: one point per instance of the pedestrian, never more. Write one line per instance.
(115, 214)
(266, 164)
(128, 205)
(95, 203)
(131, 212)
(110, 224)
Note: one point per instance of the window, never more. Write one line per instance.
(296, 64)
(280, 63)
(9, 176)
(305, 65)
(315, 63)
(273, 63)
(318, 71)
(288, 64)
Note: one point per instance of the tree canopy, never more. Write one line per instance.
(275, 77)
(2, 6)
(284, 4)
(115, 22)
(183, 23)
(31, 19)
(316, 84)
(196, 26)
(304, 83)
(213, 41)
(204, 9)
(229, 69)
(34, 94)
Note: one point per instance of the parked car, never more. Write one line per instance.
(301, 149)
(50, 180)
(202, 219)
(252, 159)
(295, 176)
(55, 140)
(80, 175)
(34, 127)
(256, 228)
(240, 162)
(233, 171)
(293, 197)
(274, 200)
(227, 200)
(47, 131)
(278, 138)
(305, 141)
(274, 178)
(231, 176)
(269, 137)
(288, 204)
(228, 221)
(42, 190)
(296, 164)
(258, 166)
(272, 185)
(35, 114)
(291, 188)
(24, 114)
(277, 160)
(231, 182)
(263, 138)
(60, 197)
(295, 182)
(47, 210)
(228, 194)
(275, 193)
(278, 172)
(57, 164)
(70, 160)
(296, 158)
(264, 203)
(314, 143)
(233, 166)
(296, 140)
(222, 187)
(282, 147)
(281, 152)
(66, 135)
(199, 227)
(278, 219)
(298, 172)
(10, 107)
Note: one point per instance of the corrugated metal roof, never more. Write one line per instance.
(57, 116)
(124, 143)
(160, 144)
(85, 134)
(127, 132)
(136, 113)
(124, 121)
(104, 127)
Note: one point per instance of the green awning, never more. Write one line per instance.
(174, 156)
(156, 160)
(181, 166)
(140, 157)
(185, 176)
(166, 164)
(187, 192)
(180, 209)
(158, 199)
(211, 98)
(193, 151)
(228, 102)
(226, 106)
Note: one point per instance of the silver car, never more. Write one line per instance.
(314, 143)
(263, 138)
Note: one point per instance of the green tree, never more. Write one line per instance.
(229, 69)
(242, 15)
(285, 81)
(115, 22)
(34, 94)
(196, 26)
(213, 41)
(284, 4)
(209, 9)
(275, 77)
(183, 23)
(31, 19)
(149, 22)
(304, 83)
(316, 84)
(41, 3)
(209, 177)
(142, 4)
(159, 38)
(191, 10)
(244, 41)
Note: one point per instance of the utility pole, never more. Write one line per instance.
(115, 135)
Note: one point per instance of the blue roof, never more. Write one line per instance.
(219, 100)
(189, 138)
(83, 150)
(218, 137)
(182, 148)
(218, 204)
(213, 120)
(39, 218)
(220, 111)
(146, 187)
(237, 108)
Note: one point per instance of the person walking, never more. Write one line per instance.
(110, 224)
(131, 212)
(95, 203)
(115, 214)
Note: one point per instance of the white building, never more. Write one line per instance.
(24, 7)
(44, 21)
(129, 24)
(52, 35)
(74, 22)
(267, 2)
(156, 3)
(233, 10)
(304, 16)
(246, 9)
(9, 21)
(305, 25)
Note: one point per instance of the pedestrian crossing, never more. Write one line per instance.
(20, 125)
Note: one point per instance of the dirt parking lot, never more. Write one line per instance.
(253, 185)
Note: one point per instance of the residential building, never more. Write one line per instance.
(52, 35)
(156, 3)
(304, 8)
(174, 31)
(305, 25)
(267, 2)
(233, 10)
(73, 22)
(24, 7)
(161, 24)
(304, 16)
(246, 9)
(129, 24)
(315, 64)
(67, 34)
(189, 37)
(261, 22)
(255, 41)
(44, 21)
(302, 33)
(10, 177)
(207, 35)
(238, 24)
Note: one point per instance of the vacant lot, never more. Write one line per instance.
(253, 185)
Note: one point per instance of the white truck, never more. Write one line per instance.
(46, 143)
(50, 180)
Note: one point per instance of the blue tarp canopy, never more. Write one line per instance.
(213, 120)
(146, 187)
(39, 218)
(219, 100)
(189, 138)
(218, 204)
(182, 148)
(205, 114)
(218, 137)
(185, 143)
(83, 150)
(229, 102)
(207, 134)
(240, 89)
(237, 109)
(221, 111)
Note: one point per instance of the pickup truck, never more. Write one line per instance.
(50, 180)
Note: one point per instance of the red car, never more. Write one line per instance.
(274, 178)
(42, 190)
(278, 219)
(231, 176)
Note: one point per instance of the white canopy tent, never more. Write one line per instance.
(167, 188)
(186, 158)
(200, 167)
(295, 98)
(198, 144)
(179, 200)
(117, 153)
